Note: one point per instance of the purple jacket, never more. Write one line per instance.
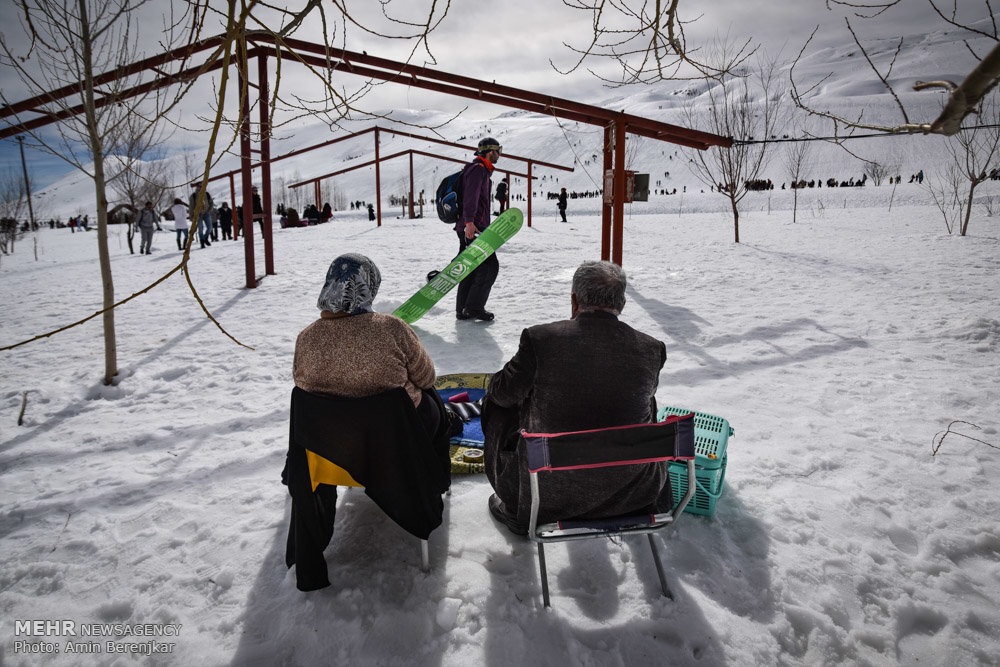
(476, 188)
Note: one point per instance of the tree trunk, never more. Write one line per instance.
(100, 192)
(795, 204)
(736, 218)
(968, 207)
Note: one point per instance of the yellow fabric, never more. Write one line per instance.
(324, 471)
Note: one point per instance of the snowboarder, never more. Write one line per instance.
(474, 291)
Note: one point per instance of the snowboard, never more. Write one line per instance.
(499, 232)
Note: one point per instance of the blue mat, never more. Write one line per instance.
(472, 432)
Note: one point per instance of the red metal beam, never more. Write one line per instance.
(413, 75)
(153, 63)
(316, 179)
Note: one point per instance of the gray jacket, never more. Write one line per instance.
(147, 218)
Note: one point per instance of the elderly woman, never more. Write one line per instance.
(352, 351)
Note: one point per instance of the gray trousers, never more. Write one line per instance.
(146, 241)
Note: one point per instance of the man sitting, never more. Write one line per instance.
(591, 371)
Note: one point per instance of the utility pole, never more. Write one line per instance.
(27, 185)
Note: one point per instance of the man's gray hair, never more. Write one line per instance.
(599, 285)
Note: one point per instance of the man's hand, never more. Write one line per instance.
(470, 230)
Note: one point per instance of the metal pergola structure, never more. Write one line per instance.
(376, 130)
(262, 46)
(409, 152)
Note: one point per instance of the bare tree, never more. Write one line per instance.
(797, 154)
(879, 171)
(71, 42)
(142, 174)
(973, 151)
(647, 42)
(963, 98)
(945, 190)
(743, 105)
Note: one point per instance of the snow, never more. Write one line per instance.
(839, 347)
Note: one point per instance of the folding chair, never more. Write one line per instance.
(324, 471)
(377, 443)
(670, 440)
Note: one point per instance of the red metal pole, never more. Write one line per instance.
(530, 184)
(618, 220)
(317, 195)
(247, 222)
(606, 206)
(411, 185)
(378, 184)
(265, 166)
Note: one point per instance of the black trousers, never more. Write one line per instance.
(474, 290)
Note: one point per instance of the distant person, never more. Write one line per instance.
(72, 225)
(371, 212)
(591, 371)
(562, 203)
(474, 290)
(327, 212)
(180, 212)
(258, 209)
(501, 195)
(226, 221)
(146, 222)
(201, 214)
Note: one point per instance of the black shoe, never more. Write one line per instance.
(501, 514)
(463, 315)
(484, 315)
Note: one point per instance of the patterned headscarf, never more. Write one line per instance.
(352, 282)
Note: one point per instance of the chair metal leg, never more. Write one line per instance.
(659, 567)
(425, 557)
(543, 574)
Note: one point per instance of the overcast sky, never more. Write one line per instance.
(511, 42)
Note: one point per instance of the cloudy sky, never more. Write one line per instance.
(511, 42)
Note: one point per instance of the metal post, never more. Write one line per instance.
(247, 221)
(316, 195)
(411, 185)
(265, 166)
(378, 184)
(618, 205)
(27, 183)
(530, 187)
(606, 206)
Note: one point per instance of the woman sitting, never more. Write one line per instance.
(352, 351)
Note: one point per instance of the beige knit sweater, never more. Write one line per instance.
(361, 355)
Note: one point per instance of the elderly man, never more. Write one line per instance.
(591, 371)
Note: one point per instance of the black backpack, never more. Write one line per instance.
(449, 198)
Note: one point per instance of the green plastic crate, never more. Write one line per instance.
(711, 435)
(708, 486)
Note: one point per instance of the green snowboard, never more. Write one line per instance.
(499, 232)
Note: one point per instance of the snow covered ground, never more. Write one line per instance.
(837, 347)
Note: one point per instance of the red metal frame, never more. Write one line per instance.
(325, 57)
